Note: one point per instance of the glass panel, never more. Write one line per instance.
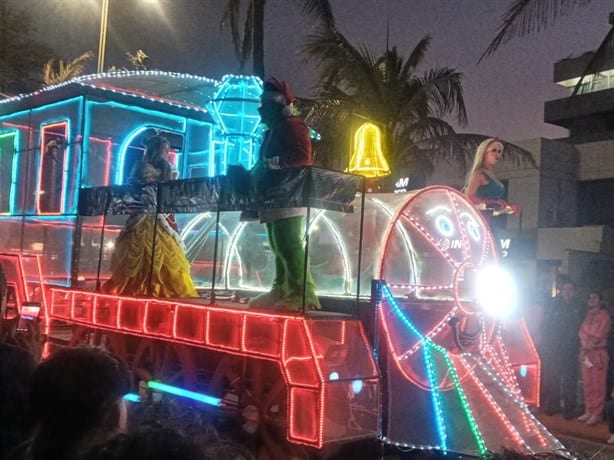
(51, 238)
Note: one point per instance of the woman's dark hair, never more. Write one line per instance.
(598, 293)
(75, 389)
(152, 144)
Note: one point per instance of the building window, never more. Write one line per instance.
(595, 202)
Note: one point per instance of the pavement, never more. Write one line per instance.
(588, 441)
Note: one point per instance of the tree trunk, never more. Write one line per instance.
(3, 40)
(258, 50)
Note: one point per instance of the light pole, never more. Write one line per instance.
(102, 41)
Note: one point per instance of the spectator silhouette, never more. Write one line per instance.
(147, 443)
(76, 397)
(560, 346)
(609, 417)
(227, 450)
(16, 368)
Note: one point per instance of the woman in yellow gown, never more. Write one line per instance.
(147, 236)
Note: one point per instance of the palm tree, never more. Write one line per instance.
(66, 70)
(251, 43)
(524, 17)
(387, 90)
(21, 55)
(139, 60)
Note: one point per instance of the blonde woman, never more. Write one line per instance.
(482, 186)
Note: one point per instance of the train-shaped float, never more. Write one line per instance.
(412, 347)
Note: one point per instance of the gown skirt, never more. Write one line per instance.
(131, 262)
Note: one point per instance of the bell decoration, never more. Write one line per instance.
(368, 157)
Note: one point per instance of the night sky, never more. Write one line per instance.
(504, 94)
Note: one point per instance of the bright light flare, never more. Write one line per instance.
(495, 291)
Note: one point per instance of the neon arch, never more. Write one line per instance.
(236, 234)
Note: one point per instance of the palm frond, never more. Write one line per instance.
(597, 61)
(417, 54)
(139, 60)
(423, 129)
(66, 70)
(441, 90)
(464, 145)
(247, 43)
(230, 18)
(321, 10)
(524, 17)
(335, 56)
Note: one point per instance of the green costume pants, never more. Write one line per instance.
(286, 241)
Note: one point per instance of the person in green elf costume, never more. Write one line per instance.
(286, 144)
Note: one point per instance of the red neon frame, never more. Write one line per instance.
(44, 131)
(229, 330)
(107, 164)
(15, 269)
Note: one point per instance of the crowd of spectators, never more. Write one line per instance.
(575, 340)
(73, 409)
(71, 406)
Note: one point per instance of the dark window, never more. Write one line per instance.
(595, 202)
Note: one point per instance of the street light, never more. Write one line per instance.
(102, 41)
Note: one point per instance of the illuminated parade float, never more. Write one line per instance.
(416, 344)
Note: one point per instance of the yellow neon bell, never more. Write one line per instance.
(368, 158)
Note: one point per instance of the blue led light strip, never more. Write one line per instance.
(132, 397)
(184, 393)
(433, 346)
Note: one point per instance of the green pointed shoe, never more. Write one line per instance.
(295, 302)
(266, 299)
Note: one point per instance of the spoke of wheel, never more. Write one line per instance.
(276, 394)
(77, 334)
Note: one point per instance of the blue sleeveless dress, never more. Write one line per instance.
(493, 190)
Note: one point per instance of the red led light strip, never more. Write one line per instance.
(496, 409)
(44, 130)
(107, 164)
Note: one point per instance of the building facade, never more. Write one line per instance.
(567, 224)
